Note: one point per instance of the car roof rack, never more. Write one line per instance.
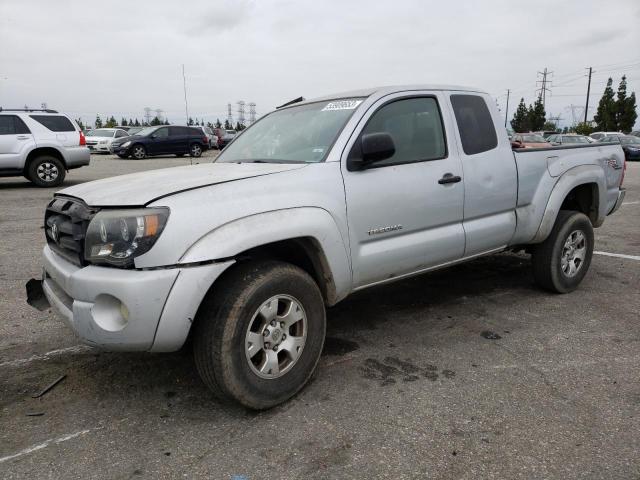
(28, 110)
(295, 100)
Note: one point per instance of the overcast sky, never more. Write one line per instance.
(115, 58)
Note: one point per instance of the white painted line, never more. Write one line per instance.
(630, 203)
(45, 356)
(45, 444)
(618, 255)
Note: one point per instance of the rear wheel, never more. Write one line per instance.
(138, 152)
(258, 339)
(46, 171)
(562, 260)
(195, 150)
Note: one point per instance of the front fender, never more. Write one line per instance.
(237, 236)
(572, 178)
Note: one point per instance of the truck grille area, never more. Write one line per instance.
(65, 223)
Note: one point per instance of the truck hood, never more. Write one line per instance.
(139, 189)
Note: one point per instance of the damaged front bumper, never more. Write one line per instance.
(132, 310)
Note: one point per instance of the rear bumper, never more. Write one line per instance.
(77, 157)
(129, 310)
(621, 193)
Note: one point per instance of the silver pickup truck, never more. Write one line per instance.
(314, 201)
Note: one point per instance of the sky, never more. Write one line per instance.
(116, 58)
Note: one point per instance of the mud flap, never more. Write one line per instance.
(35, 295)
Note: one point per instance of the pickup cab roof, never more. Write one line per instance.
(386, 90)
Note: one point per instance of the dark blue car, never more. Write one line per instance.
(163, 140)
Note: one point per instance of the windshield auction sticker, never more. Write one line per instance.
(342, 105)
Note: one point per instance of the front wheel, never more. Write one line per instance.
(195, 150)
(562, 260)
(259, 336)
(138, 152)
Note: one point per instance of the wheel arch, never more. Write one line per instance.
(307, 237)
(39, 151)
(582, 189)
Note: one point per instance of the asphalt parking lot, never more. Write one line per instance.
(409, 385)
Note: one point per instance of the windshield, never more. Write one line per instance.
(533, 139)
(134, 130)
(101, 132)
(302, 134)
(146, 131)
(628, 140)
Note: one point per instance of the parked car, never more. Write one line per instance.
(636, 133)
(546, 133)
(314, 201)
(630, 144)
(598, 135)
(528, 140)
(100, 139)
(162, 140)
(131, 130)
(568, 139)
(40, 145)
(213, 139)
(224, 136)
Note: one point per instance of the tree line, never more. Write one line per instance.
(615, 113)
(111, 122)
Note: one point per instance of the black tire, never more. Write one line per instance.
(547, 257)
(138, 152)
(223, 322)
(122, 156)
(46, 171)
(195, 150)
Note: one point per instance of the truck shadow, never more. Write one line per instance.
(167, 385)
(437, 291)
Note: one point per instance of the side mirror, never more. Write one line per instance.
(376, 147)
(516, 144)
(371, 148)
(154, 136)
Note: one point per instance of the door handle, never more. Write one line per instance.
(23, 137)
(449, 178)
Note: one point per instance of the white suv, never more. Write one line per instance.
(40, 145)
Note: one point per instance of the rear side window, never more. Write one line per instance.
(7, 125)
(193, 131)
(55, 123)
(475, 124)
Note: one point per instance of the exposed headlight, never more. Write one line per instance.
(126, 144)
(633, 149)
(116, 237)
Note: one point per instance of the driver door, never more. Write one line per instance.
(402, 217)
(160, 141)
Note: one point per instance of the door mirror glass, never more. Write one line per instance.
(376, 146)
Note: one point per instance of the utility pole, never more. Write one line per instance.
(506, 113)
(147, 115)
(184, 86)
(544, 89)
(252, 112)
(586, 107)
(229, 115)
